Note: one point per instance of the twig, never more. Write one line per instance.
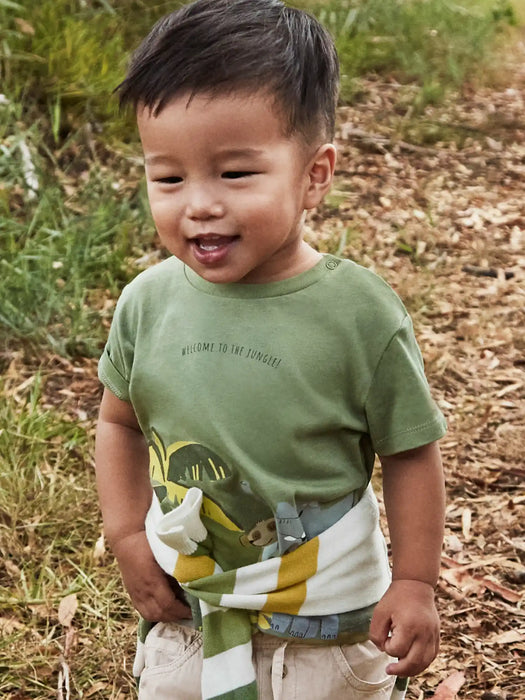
(63, 681)
(487, 272)
(381, 142)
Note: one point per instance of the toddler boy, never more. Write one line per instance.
(249, 383)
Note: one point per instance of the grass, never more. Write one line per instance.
(73, 223)
(46, 482)
(50, 55)
(67, 244)
(436, 44)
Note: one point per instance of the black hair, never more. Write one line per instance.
(226, 46)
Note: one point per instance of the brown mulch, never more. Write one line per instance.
(444, 223)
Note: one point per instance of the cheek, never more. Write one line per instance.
(163, 211)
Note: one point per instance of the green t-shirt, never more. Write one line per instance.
(271, 398)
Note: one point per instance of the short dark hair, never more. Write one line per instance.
(224, 46)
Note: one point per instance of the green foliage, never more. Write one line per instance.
(62, 253)
(435, 43)
(71, 54)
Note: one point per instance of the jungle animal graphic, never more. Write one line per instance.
(262, 534)
(230, 509)
(235, 514)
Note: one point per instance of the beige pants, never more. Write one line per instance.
(286, 670)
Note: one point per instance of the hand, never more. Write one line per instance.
(151, 590)
(405, 624)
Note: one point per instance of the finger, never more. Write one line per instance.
(398, 644)
(379, 628)
(157, 602)
(413, 662)
(169, 606)
(178, 611)
(156, 610)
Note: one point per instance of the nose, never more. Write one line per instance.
(203, 203)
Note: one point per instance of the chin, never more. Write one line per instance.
(218, 276)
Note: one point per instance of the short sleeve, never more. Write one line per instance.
(114, 368)
(400, 410)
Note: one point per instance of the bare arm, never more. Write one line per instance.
(414, 495)
(405, 623)
(121, 458)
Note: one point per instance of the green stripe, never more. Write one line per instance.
(247, 692)
(214, 585)
(223, 630)
(143, 628)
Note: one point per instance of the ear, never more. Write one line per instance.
(320, 174)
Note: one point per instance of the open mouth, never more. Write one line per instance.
(211, 248)
(213, 242)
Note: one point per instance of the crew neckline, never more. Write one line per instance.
(242, 290)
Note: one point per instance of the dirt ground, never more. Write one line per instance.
(445, 225)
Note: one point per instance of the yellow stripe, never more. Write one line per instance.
(288, 601)
(191, 568)
(296, 568)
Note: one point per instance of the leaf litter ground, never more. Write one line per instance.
(445, 225)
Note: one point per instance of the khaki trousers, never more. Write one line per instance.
(286, 670)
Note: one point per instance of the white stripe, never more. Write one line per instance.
(245, 602)
(353, 570)
(206, 608)
(261, 577)
(139, 661)
(216, 681)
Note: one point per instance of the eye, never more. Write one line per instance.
(237, 174)
(172, 180)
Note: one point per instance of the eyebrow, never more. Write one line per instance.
(158, 160)
(241, 152)
(227, 153)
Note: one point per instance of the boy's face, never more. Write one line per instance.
(228, 189)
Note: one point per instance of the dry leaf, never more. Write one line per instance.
(24, 26)
(97, 688)
(506, 593)
(67, 609)
(453, 543)
(11, 568)
(9, 624)
(470, 584)
(448, 689)
(508, 637)
(461, 579)
(466, 520)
